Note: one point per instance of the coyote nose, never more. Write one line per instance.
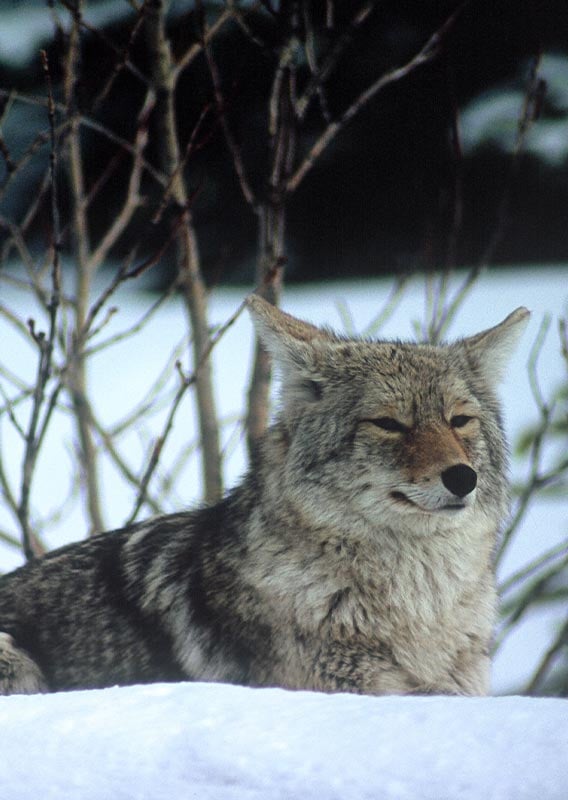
(459, 479)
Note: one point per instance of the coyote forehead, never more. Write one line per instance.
(408, 377)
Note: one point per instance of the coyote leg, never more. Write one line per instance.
(19, 674)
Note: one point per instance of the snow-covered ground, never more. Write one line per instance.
(215, 742)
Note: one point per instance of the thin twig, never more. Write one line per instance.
(45, 347)
(123, 61)
(537, 442)
(158, 447)
(221, 104)
(428, 52)
(133, 329)
(192, 52)
(186, 382)
(559, 643)
(156, 397)
(399, 287)
(132, 200)
(515, 608)
(530, 111)
(10, 540)
(320, 75)
(76, 372)
(177, 174)
(530, 569)
(126, 471)
(444, 311)
(91, 124)
(29, 216)
(19, 243)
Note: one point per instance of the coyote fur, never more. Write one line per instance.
(356, 554)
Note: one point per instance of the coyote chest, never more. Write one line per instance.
(380, 616)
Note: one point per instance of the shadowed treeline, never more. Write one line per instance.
(394, 188)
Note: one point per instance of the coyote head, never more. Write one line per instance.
(405, 436)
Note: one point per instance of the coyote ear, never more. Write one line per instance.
(274, 324)
(491, 349)
(295, 346)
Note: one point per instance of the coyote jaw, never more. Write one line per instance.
(400, 497)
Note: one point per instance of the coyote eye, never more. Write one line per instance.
(389, 424)
(460, 420)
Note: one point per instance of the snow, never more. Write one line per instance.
(218, 742)
(29, 26)
(493, 116)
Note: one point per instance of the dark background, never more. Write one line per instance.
(383, 198)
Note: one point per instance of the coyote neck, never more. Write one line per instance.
(350, 574)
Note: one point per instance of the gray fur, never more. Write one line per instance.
(19, 674)
(356, 555)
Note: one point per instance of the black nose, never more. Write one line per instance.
(459, 479)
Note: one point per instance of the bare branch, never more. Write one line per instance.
(30, 215)
(129, 332)
(191, 54)
(321, 74)
(269, 288)
(230, 140)
(177, 174)
(89, 123)
(537, 442)
(530, 569)
(10, 540)
(516, 608)
(443, 310)
(559, 643)
(426, 54)
(186, 382)
(123, 60)
(119, 461)
(40, 140)
(157, 449)
(34, 276)
(532, 103)
(45, 346)
(399, 287)
(132, 200)
(190, 277)
(77, 371)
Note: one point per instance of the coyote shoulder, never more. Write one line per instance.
(356, 555)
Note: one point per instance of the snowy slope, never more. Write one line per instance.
(217, 742)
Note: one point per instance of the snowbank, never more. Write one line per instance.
(216, 742)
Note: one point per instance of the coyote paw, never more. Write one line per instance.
(19, 674)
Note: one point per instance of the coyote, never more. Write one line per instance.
(356, 554)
